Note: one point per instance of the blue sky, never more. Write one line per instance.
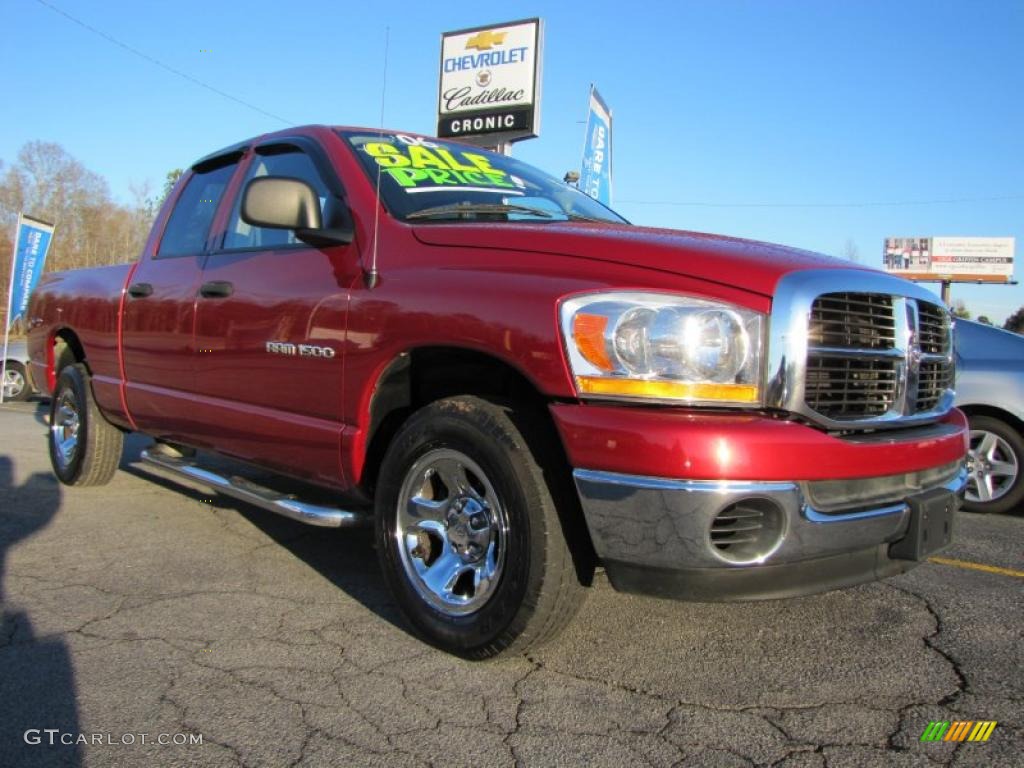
(774, 116)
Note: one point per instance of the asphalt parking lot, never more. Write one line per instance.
(143, 608)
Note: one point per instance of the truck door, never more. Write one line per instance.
(157, 328)
(270, 327)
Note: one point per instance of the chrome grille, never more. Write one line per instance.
(863, 320)
(855, 349)
(934, 379)
(876, 355)
(933, 336)
(849, 387)
(933, 329)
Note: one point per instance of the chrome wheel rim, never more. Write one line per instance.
(14, 383)
(64, 428)
(992, 467)
(451, 531)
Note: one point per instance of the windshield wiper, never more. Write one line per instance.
(446, 210)
(581, 217)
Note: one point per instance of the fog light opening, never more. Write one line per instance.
(747, 531)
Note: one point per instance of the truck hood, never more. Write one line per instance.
(746, 264)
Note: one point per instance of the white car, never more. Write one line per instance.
(17, 381)
(990, 390)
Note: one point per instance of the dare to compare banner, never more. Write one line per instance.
(31, 244)
(596, 171)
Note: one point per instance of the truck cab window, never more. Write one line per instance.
(190, 220)
(294, 164)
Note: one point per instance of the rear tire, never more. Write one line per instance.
(468, 535)
(85, 449)
(16, 386)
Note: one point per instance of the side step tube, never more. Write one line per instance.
(265, 498)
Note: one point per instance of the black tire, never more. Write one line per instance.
(1011, 493)
(96, 453)
(17, 376)
(538, 590)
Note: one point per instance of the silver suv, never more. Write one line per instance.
(990, 390)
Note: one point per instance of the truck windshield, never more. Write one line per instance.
(433, 180)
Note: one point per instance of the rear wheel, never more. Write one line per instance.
(994, 466)
(85, 449)
(467, 531)
(16, 385)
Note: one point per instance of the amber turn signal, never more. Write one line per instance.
(668, 390)
(588, 332)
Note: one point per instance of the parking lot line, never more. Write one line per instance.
(976, 566)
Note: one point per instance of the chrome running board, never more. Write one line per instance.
(288, 505)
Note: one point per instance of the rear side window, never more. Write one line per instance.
(190, 220)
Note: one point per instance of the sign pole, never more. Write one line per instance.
(7, 316)
(946, 285)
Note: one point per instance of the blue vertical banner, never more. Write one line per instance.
(31, 244)
(596, 171)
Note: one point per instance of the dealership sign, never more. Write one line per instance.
(956, 259)
(490, 83)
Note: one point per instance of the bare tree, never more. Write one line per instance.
(850, 251)
(169, 181)
(91, 229)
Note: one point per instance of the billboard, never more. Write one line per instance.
(596, 170)
(489, 86)
(954, 259)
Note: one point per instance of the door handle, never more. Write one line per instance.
(140, 290)
(216, 289)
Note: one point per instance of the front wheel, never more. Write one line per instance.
(467, 531)
(85, 448)
(16, 386)
(994, 463)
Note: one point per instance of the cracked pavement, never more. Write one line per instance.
(147, 607)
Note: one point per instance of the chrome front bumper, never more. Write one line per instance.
(654, 536)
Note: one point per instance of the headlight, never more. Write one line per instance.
(663, 347)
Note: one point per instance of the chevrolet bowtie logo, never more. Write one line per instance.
(484, 41)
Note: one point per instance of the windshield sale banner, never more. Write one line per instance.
(31, 244)
(489, 89)
(596, 171)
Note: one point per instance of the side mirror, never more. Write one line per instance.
(279, 202)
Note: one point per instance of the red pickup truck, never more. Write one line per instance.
(510, 382)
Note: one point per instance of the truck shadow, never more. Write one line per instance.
(42, 410)
(345, 557)
(37, 683)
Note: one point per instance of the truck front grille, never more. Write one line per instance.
(875, 355)
(845, 387)
(862, 320)
(933, 329)
(934, 379)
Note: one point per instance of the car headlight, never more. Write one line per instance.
(656, 346)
